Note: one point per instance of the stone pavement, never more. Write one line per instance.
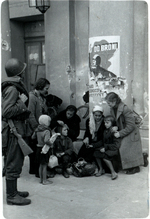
(83, 198)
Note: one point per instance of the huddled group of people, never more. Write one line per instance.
(111, 142)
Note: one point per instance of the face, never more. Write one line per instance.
(64, 131)
(97, 116)
(44, 92)
(107, 124)
(69, 114)
(111, 104)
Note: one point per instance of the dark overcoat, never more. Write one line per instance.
(131, 147)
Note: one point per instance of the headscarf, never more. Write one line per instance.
(92, 124)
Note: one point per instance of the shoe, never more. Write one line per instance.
(133, 170)
(114, 176)
(47, 182)
(51, 174)
(23, 194)
(98, 174)
(17, 200)
(65, 174)
(145, 156)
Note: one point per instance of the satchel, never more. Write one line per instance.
(82, 168)
(53, 161)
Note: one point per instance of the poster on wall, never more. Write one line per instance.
(104, 64)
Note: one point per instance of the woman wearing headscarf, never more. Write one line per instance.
(71, 119)
(131, 148)
(93, 137)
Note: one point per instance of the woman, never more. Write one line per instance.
(37, 106)
(71, 119)
(131, 148)
(93, 137)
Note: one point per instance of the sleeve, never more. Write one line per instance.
(87, 131)
(129, 122)
(75, 129)
(69, 147)
(47, 137)
(32, 107)
(11, 104)
(34, 136)
(98, 144)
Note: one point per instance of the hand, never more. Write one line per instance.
(60, 122)
(114, 129)
(58, 154)
(117, 134)
(86, 141)
(102, 150)
(90, 146)
(62, 153)
(23, 97)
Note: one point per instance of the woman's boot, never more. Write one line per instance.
(13, 197)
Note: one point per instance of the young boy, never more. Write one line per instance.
(109, 149)
(45, 141)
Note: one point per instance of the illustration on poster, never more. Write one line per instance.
(104, 61)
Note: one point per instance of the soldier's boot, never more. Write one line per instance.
(13, 197)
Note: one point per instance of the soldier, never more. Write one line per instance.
(14, 108)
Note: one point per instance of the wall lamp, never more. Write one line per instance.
(41, 5)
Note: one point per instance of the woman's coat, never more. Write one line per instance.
(131, 147)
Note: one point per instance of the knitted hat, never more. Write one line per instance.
(44, 120)
(14, 67)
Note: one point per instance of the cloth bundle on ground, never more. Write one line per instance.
(83, 168)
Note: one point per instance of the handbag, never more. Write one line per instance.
(53, 161)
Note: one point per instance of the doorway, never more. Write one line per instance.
(34, 52)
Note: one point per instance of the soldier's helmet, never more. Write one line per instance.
(14, 67)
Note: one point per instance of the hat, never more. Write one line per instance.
(44, 120)
(98, 108)
(14, 67)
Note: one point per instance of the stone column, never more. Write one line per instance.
(6, 36)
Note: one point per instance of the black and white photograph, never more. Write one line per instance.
(74, 109)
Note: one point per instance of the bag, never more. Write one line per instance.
(45, 149)
(53, 161)
(82, 168)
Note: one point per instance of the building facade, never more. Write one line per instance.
(55, 45)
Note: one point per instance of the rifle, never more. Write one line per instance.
(26, 150)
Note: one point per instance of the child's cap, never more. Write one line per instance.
(44, 120)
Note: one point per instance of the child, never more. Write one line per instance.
(109, 149)
(45, 141)
(63, 148)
